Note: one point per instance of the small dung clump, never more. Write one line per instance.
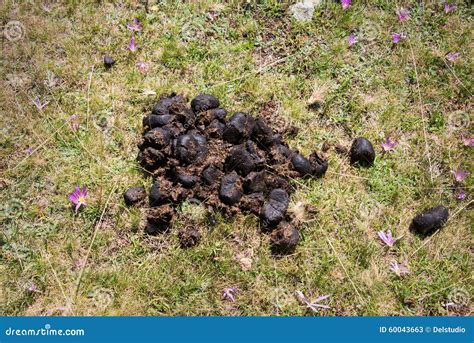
(362, 152)
(232, 165)
(274, 209)
(189, 237)
(204, 102)
(428, 222)
(284, 239)
(108, 62)
(134, 195)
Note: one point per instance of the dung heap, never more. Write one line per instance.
(232, 165)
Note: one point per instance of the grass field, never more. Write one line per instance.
(254, 57)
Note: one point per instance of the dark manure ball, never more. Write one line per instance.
(163, 105)
(157, 138)
(189, 237)
(190, 148)
(159, 219)
(244, 159)
(108, 62)
(204, 102)
(151, 158)
(318, 165)
(154, 120)
(254, 182)
(362, 152)
(134, 195)
(262, 134)
(239, 127)
(274, 209)
(188, 181)
(211, 174)
(429, 221)
(301, 165)
(157, 197)
(231, 189)
(284, 239)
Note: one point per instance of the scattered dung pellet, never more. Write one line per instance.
(215, 129)
(362, 152)
(134, 195)
(239, 128)
(274, 209)
(244, 159)
(301, 165)
(108, 62)
(157, 197)
(189, 237)
(231, 189)
(429, 221)
(186, 180)
(254, 182)
(159, 219)
(210, 174)
(163, 105)
(157, 138)
(204, 102)
(318, 165)
(190, 147)
(284, 239)
(263, 134)
(151, 158)
(154, 120)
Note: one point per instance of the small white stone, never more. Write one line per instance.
(303, 11)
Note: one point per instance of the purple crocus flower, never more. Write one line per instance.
(135, 26)
(212, 15)
(462, 195)
(396, 37)
(40, 105)
(459, 175)
(352, 39)
(32, 288)
(467, 141)
(142, 67)
(132, 46)
(229, 293)
(46, 8)
(345, 4)
(389, 144)
(74, 122)
(387, 238)
(78, 197)
(402, 14)
(449, 8)
(452, 56)
(312, 305)
(29, 150)
(399, 269)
